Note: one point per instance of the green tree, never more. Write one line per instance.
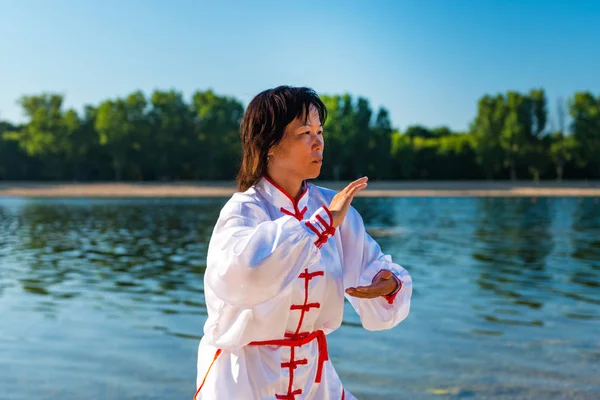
(333, 138)
(516, 130)
(486, 131)
(81, 139)
(122, 126)
(337, 141)
(14, 162)
(562, 150)
(359, 128)
(217, 121)
(537, 98)
(538, 145)
(45, 135)
(403, 157)
(419, 131)
(379, 148)
(585, 112)
(441, 131)
(85, 142)
(45, 132)
(456, 157)
(168, 147)
(166, 138)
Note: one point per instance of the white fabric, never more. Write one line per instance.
(256, 256)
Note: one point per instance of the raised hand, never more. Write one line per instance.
(340, 204)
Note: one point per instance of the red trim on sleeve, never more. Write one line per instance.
(312, 228)
(390, 297)
(328, 230)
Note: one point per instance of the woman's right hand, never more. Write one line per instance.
(340, 204)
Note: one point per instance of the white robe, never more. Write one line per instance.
(277, 270)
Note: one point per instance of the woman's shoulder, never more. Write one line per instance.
(244, 203)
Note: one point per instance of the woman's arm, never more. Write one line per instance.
(363, 263)
(252, 258)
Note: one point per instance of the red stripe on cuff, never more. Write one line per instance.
(390, 297)
(312, 228)
(329, 230)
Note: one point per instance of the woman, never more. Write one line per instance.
(282, 255)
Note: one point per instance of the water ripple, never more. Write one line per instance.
(504, 288)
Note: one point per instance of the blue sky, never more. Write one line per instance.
(427, 62)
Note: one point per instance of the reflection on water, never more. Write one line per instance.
(110, 292)
(513, 240)
(150, 252)
(586, 250)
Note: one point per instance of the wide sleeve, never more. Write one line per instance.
(362, 261)
(252, 258)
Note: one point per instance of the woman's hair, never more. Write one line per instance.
(264, 123)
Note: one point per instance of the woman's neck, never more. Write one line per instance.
(291, 185)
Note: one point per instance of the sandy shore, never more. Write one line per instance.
(375, 189)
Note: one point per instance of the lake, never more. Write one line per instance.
(103, 299)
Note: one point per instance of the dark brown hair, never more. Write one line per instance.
(264, 123)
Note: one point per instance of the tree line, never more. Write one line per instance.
(165, 137)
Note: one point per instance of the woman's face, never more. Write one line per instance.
(300, 152)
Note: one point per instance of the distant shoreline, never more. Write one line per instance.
(375, 189)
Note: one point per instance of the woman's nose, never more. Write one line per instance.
(318, 142)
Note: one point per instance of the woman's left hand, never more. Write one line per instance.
(383, 285)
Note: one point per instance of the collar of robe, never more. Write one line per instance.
(275, 195)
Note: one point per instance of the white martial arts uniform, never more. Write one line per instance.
(274, 286)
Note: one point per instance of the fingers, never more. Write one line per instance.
(383, 285)
(357, 189)
(354, 292)
(368, 292)
(385, 274)
(353, 185)
(341, 202)
(349, 191)
(353, 188)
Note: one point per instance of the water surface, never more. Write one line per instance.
(103, 299)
